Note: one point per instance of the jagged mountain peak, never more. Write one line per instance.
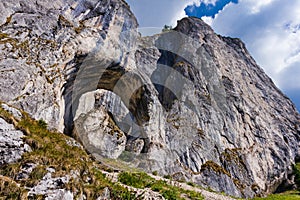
(193, 24)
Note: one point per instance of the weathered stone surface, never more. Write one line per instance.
(52, 188)
(105, 194)
(12, 146)
(99, 134)
(188, 102)
(42, 45)
(15, 112)
(212, 113)
(26, 169)
(227, 112)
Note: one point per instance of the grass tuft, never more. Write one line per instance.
(50, 149)
(142, 180)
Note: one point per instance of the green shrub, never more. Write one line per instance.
(291, 195)
(191, 184)
(167, 191)
(171, 194)
(296, 169)
(42, 124)
(137, 180)
(167, 176)
(155, 173)
(158, 186)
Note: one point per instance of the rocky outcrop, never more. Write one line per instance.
(187, 103)
(52, 188)
(58, 168)
(98, 133)
(43, 44)
(12, 146)
(209, 114)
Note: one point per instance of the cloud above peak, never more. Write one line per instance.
(271, 33)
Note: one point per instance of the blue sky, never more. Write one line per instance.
(207, 9)
(269, 28)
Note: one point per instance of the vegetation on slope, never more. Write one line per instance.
(142, 180)
(289, 195)
(52, 150)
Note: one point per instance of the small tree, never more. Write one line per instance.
(42, 124)
(166, 28)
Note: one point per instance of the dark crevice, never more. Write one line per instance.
(172, 70)
(227, 139)
(68, 91)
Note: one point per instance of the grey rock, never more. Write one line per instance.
(26, 169)
(205, 101)
(148, 194)
(61, 194)
(52, 188)
(105, 194)
(41, 45)
(99, 134)
(187, 102)
(73, 143)
(12, 146)
(15, 112)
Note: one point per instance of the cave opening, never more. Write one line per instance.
(127, 85)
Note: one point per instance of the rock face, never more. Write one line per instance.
(188, 103)
(50, 187)
(43, 43)
(12, 146)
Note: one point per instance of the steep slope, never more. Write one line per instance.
(40, 164)
(186, 103)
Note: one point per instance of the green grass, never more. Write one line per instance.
(142, 180)
(138, 180)
(155, 173)
(50, 149)
(291, 195)
(296, 169)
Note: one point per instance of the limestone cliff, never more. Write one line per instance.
(187, 103)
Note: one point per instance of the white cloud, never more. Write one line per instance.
(256, 6)
(271, 32)
(289, 78)
(207, 20)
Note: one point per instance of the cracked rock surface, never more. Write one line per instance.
(12, 146)
(187, 103)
